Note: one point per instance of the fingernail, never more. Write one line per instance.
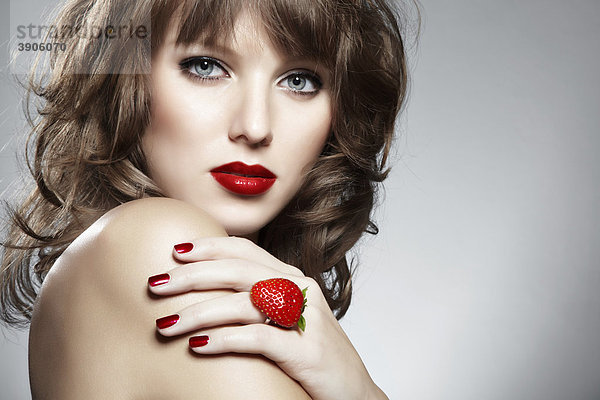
(157, 280)
(183, 247)
(198, 341)
(167, 321)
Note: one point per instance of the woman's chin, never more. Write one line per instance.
(242, 227)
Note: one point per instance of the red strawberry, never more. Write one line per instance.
(281, 300)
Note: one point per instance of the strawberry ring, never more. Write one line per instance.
(281, 300)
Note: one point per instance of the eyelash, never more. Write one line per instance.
(187, 63)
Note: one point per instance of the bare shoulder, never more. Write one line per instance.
(94, 320)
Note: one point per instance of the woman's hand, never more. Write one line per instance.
(321, 358)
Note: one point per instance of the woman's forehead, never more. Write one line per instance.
(245, 25)
(220, 23)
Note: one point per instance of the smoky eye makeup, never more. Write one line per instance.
(208, 70)
(298, 80)
(201, 68)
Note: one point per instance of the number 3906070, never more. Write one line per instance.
(41, 46)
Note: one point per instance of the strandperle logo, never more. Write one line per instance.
(33, 38)
(66, 32)
(37, 39)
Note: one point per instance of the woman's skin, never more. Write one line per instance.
(93, 334)
(250, 114)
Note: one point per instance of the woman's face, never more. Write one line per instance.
(246, 103)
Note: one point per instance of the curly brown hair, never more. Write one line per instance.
(95, 106)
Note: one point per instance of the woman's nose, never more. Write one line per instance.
(252, 116)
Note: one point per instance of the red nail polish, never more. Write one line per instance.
(157, 280)
(198, 341)
(167, 321)
(183, 247)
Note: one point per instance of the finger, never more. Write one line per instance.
(213, 248)
(234, 308)
(277, 344)
(234, 274)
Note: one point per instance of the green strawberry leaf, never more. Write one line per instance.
(302, 323)
(304, 297)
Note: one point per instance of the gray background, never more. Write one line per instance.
(483, 282)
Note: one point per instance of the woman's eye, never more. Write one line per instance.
(303, 83)
(206, 68)
(203, 68)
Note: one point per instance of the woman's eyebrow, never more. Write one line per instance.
(229, 52)
(200, 45)
(220, 48)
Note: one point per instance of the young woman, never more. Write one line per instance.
(241, 141)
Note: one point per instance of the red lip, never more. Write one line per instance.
(248, 180)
